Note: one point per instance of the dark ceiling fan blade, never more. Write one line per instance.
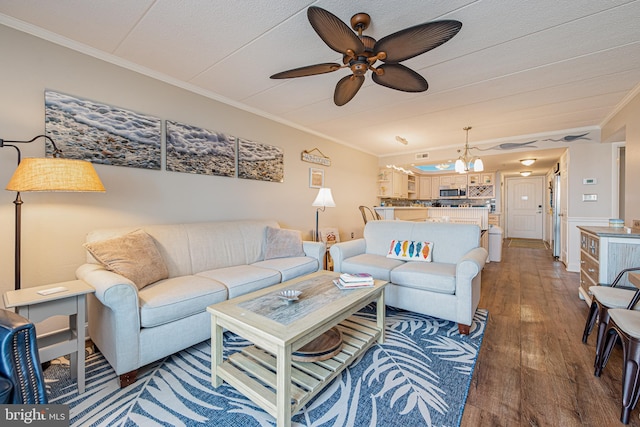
(335, 33)
(416, 40)
(309, 70)
(399, 77)
(347, 88)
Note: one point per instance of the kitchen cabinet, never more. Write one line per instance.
(604, 251)
(424, 187)
(392, 184)
(412, 187)
(481, 179)
(481, 186)
(447, 181)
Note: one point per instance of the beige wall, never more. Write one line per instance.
(625, 125)
(54, 225)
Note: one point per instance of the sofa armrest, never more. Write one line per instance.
(468, 278)
(343, 250)
(114, 316)
(112, 290)
(315, 250)
(471, 264)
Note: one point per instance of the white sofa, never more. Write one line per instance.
(448, 287)
(205, 263)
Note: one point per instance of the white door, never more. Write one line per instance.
(524, 207)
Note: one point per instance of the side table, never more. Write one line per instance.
(65, 299)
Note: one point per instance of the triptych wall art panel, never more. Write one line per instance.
(260, 161)
(108, 135)
(102, 134)
(195, 150)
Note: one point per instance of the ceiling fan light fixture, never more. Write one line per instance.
(361, 53)
(528, 162)
(525, 173)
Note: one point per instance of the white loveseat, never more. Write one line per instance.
(448, 287)
(206, 263)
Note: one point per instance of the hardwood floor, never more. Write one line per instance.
(533, 369)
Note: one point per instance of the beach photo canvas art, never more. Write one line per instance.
(101, 133)
(192, 149)
(259, 161)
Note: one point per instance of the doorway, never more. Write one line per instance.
(524, 207)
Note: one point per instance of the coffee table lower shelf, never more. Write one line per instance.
(252, 371)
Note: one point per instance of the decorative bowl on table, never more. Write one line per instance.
(289, 295)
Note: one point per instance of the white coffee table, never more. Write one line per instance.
(265, 372)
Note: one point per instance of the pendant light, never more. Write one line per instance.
(466, 161)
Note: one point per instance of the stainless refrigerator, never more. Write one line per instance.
(555, 214)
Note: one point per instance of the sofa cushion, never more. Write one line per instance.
(379, 266)
(281, 243)
(133, 255)
(435, 277)
(290, 268)
(176, 298)
(409, 250)
(242, 279)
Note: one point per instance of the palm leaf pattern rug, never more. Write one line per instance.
(420, 376)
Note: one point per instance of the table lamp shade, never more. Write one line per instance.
(55, 174)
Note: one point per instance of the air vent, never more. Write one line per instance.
(420, 156)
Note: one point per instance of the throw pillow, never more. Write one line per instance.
(409, 250)
(283, 243)
(133, 255)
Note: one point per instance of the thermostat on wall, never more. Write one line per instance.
(589, 181)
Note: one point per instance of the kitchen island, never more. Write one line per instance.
(405, 213)
(479, 215)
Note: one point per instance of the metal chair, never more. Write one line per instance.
(624, 324)
(19, 360)
(605, 298)
(372, 213)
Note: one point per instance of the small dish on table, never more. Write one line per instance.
(289, 295)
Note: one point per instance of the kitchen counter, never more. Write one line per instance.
(405, 213)
(611, 231)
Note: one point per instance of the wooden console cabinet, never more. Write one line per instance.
(604, 251)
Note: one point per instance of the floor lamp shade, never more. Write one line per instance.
(324, 199)
(55, 174)
(50, 174)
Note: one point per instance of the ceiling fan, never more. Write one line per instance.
(360, 53)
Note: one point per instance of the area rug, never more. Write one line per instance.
(420, 376)
(528, 243)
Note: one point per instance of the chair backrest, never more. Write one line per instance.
(364, 210)
(19, 360)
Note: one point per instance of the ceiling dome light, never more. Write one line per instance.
(401, 140)
(528, 162)
(525, 173)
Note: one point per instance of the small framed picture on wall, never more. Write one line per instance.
(316, 178)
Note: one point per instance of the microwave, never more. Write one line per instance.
(452, 192)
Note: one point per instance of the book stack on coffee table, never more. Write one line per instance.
(354, 280)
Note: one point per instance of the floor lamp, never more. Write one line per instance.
(323, 200)
(46, 174)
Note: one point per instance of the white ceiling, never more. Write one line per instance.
(516, 68)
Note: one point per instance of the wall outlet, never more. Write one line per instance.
(353, 234)
(636, 223)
